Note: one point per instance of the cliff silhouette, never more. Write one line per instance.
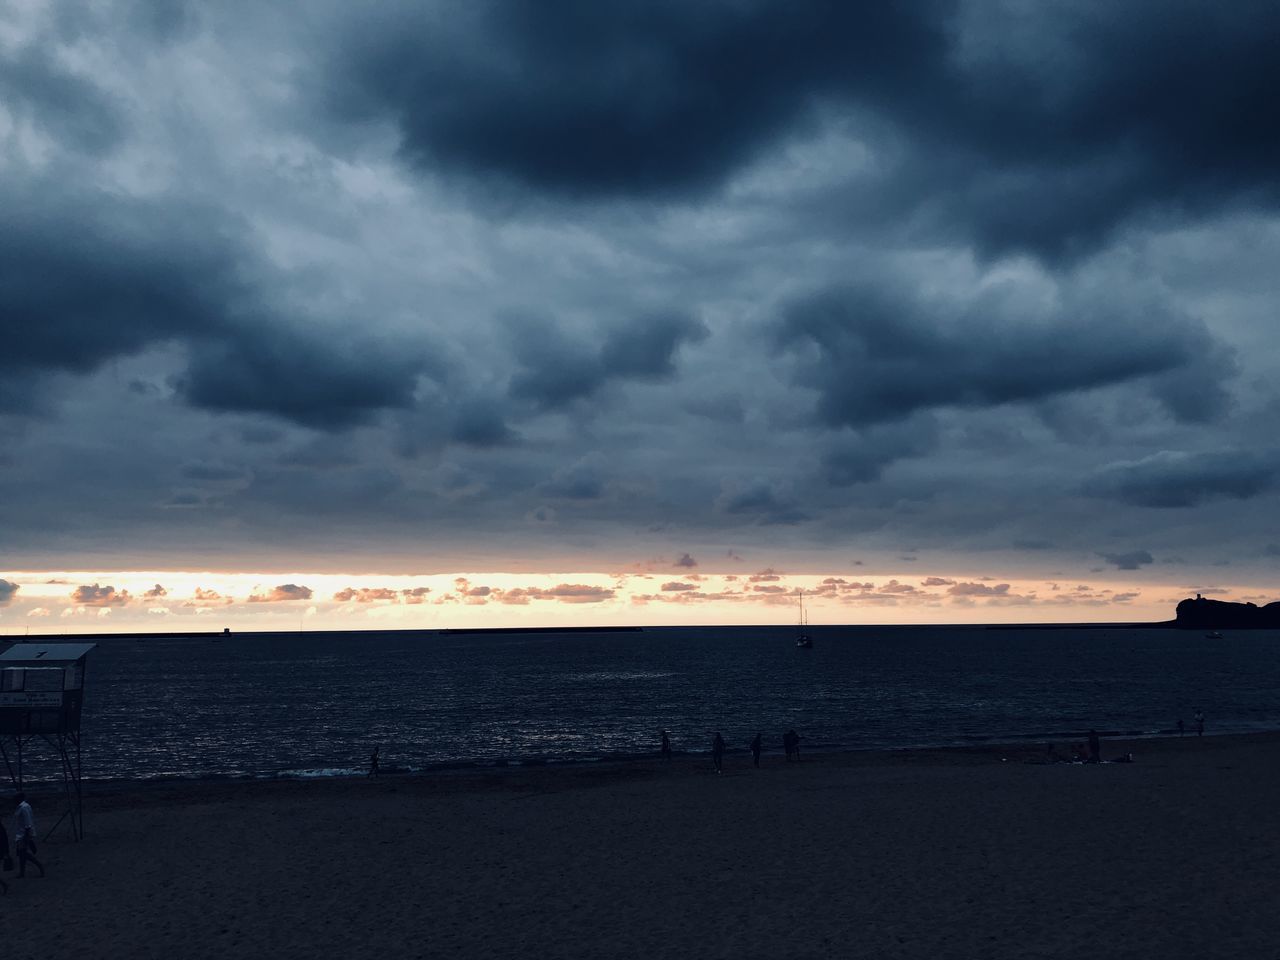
(1204, 614)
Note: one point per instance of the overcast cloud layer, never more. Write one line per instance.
(508, 286)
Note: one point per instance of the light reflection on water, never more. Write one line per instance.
(315, 704)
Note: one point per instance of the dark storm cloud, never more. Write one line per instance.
(8, 590)
(91, 277)
(862, 456)
(760, 501)
(304, 375)
(557, 368)
(72, 109)
(584, 480)
(1036, 128)
(212, 471)
(1174, 479)
(1133, 560)
(877, 352)
(586, 98)
(481, 423)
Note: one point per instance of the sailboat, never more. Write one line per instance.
(803, 640)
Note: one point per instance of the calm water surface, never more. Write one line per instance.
(311, 704)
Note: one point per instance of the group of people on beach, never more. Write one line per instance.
(1091, 750)
(24, 842)
(790, 745)
(1199, 720)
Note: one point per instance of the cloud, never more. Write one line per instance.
(676, 586)
(684, 560)
(971, 589)
(861, 456)
(38, 90)
(156, 592)
(212, 471)
(936, 582)
(98, 596)
(8, 590)
(1020, 128)
(605, 99)
(203, 598)
(1173, 479)
(761, 501)
(585, 479)
(316, 378)
(366, 595)
(564, 593)
(877, 352)
(97, 276)
(283, 592)
(1132, 560)
(895, 586)
(556, 369)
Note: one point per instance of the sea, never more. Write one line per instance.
(304, 704)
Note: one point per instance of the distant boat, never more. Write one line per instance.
(1213, 635)
(803, 640)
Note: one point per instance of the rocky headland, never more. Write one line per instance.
(1202, 613)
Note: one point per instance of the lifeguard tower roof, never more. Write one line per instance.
(35, 654)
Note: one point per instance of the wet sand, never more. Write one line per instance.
(907, 854)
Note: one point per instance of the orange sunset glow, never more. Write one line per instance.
(51, 602)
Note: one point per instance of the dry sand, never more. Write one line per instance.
(911, 854)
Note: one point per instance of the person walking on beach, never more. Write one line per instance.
(756, 746)
(1199, 724)
(1095, 747)
(666, 746)
(717, 752)
(373, 763)
(24, 836)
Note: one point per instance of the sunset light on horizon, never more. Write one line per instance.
(53, 602)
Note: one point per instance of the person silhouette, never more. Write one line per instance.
(1199, 724)
(756, 747)
(791, 742)
(373, 763)
(665, 746)
(24, 836)
(717, 752)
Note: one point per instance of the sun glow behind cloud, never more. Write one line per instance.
(128, 601)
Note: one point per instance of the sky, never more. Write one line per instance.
(437, 314)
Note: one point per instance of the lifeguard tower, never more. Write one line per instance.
(41, 693)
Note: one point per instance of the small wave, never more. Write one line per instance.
(316, 772)
(620, 675)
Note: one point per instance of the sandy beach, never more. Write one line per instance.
(907, 854)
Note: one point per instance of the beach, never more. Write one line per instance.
(949, 853)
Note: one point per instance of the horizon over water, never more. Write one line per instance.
(301, 704)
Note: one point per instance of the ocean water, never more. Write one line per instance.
(314, 704)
